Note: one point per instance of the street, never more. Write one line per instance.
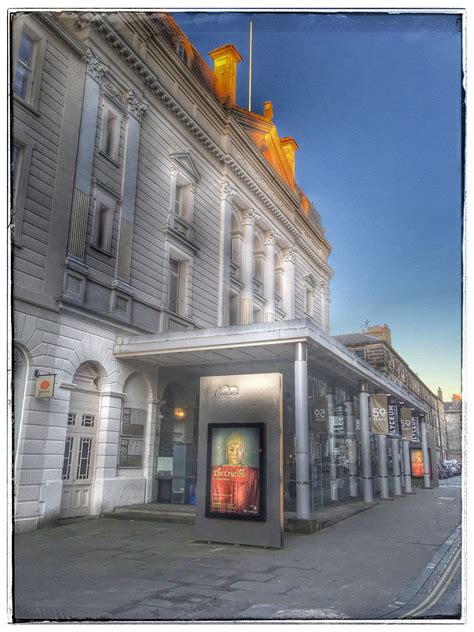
(399, 559)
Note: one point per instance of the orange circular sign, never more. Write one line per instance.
(44, 384)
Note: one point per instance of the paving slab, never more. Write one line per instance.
(114, 570)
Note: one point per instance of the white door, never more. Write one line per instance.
(80, 447)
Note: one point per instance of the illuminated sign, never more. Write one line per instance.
(235, 473)
(416, 460)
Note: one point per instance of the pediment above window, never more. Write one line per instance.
(186, 165)
(310, 280)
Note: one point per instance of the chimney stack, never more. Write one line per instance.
(226, 59)
(289, 146)
(382, 332)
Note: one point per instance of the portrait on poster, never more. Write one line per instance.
(235, 471)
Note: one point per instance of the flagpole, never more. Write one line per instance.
(250, 69)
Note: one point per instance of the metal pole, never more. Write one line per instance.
(334, 490)
(397, 483)
(407, 465)
(402, 466)
(365, 443)
(382, 466)
(250, 68)
(303, 503)
(352, 445)
(426, 456)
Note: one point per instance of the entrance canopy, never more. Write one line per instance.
(262, 342)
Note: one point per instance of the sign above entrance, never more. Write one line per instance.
(45, 386)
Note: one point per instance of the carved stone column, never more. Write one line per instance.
(289, 259)
(269, 275)
(246, 299)
(227, 195)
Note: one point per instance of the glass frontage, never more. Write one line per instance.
(176, 464)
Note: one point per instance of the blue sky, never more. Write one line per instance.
(374, 102)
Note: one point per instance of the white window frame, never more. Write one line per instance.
(111, 113)
(18, 189)
(23, 26)
(184, 299)
(183, 193)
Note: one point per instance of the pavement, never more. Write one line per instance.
(398, 560)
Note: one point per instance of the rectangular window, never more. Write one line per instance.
(111, 124)
(178, 201)
(24, 68)
(84, 458)
(308, 308)
(16, 156)
(103, 227)
(66, 473)
(88, 421)
(71, 419)
(173, 286)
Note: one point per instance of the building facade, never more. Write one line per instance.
(159, 236)
(453, 414)
(374, 345)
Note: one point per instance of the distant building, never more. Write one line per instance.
(453, 414)
(374, 345)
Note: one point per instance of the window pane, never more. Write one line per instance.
(84, 461)
(66, 473)
(26, 49)
(20, 86)
(173, 294)
(102, 229)
(177, 203)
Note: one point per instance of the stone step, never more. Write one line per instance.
(151, 516)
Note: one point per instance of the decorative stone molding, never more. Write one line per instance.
(227, 192)
(99, 22)
(290, 255)
(271, 237)
(95, 68)
(136, 105)
(325, 289)
(113, 92)
(249, 216)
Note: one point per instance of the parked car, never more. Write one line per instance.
(442, 471)
(451, 466)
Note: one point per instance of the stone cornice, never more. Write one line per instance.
(50, 20)
(98, 21)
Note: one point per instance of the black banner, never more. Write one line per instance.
(320, 415)
(415, 428)
(338, 426)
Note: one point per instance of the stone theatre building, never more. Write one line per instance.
(159, 236)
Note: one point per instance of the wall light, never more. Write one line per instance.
(179, 413)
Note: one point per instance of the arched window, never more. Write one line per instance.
(134, 414)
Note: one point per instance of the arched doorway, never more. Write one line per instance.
(81, 443)
(20, 372)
